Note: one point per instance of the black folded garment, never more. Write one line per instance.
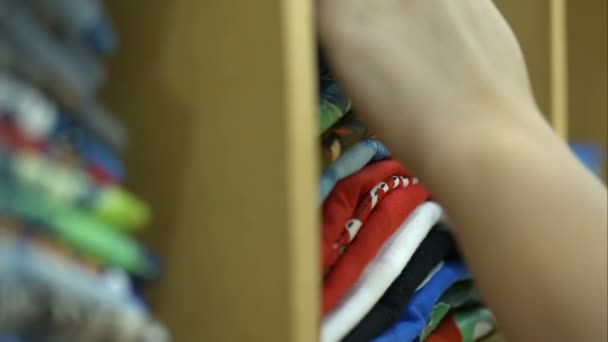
(436, 247)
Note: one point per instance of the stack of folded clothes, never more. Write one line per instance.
(70, 269)
(391, 270)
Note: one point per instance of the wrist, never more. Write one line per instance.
(478, 140)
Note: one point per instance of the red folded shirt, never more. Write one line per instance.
(364, 209)
(446, 331)
(340, 205)
(381, 224)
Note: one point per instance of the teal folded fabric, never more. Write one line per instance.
(381, 150)
(351, 161)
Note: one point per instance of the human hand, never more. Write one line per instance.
(418, 68)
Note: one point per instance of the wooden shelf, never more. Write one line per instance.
(219, 100)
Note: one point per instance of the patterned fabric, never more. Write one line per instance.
(459, 295)
(343, 200)
(381, 150)
(465, 325)
(364, 209)
(474, 323)
(353, 160)
(332, 104)
(447, 331)
(350, 162)
(377, 275)
(344, 134)
(389, 215)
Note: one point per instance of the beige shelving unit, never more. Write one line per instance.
(588, 58)
(219, 98)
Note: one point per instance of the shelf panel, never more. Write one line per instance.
(219, 100)
(588, 56)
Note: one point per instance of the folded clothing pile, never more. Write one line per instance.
(69, 268)
(391, 270)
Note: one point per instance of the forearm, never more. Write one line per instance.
(444, 84)
(531, 222)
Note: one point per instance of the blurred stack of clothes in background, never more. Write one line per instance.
(69, 269)
(391, 270)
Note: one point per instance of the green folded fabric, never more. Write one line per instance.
(77, 228)
(332, 104)
(461, 294)
(474, 323)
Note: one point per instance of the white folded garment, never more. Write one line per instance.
(380, 273)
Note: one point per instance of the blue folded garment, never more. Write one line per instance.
(417, 312)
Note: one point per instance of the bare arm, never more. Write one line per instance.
(444, 84)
